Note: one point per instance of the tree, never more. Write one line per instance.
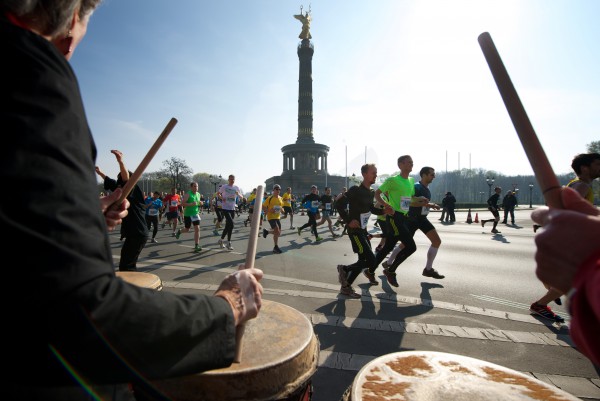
(593, 147)
(177, 171)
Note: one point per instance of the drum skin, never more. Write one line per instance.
(280, 354)
(429, 375)
(146, 280)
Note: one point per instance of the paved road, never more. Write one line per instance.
(479, 310)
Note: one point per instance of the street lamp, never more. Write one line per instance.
(530, 196)
(481, 196)
(490, 182)
(215, 180)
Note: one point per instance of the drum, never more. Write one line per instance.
(146, 280)
(424, 375)
(279, 357)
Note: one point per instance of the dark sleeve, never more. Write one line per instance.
(377, 210)
(109, 184)
(340, 205)
(74, 312)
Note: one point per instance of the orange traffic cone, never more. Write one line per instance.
(476, 218)
(469, 217)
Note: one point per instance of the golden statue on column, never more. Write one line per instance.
(305, 19)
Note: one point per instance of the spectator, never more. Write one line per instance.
(81, 333)
(574, 266)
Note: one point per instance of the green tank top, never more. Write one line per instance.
(192, 210)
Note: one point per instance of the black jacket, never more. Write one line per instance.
(74, 310)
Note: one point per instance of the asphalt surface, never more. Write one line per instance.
(424, 316)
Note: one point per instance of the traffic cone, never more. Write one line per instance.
(476, 218)
(469, 217)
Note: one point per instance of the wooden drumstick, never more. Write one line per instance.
(249, 263)
(535, 153)
(137, 174)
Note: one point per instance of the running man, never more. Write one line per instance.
(417, 220)
(312, 202)
(153, 206)
(288, 198)
(355, 207)
(272, 207)
(400, 191)
(191, 215)
(172, 201)
(327, 209)
(494, 208)
(228, 193)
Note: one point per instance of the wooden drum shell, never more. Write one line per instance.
(146, 280)
(280, 355)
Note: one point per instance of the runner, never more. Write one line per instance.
(191, 215)
(228, 193)
(272, 206)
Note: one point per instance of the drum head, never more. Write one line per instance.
(279, 354)
(423, 375)
(146, 280)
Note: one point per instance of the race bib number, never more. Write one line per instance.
(195, 217)
(405, 203)
(277, 209)
(328, 206)
(364, 219)
(173, 203)
(424, 211)
(153, 212)
(314, 204)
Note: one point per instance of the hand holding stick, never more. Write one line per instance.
(535, 153)
(249, 263)
(137, 174)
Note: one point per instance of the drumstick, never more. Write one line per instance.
(250, 256)
(137, 174)
(535, 153)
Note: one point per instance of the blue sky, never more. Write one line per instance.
(389, 78)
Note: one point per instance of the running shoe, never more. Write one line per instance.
(482, 223)
(391, 277)
(173, 234)
(385, 264)
(292, 228)
(178, 234)
(349, 291)
(495, 231)
(221, 245)
(276, 249)
(299, 230)
(432, 273)
(545, 311)
(245, 223)
(197, 248)
(334, 235)
(229, 246)
(342, 275)
(265, 233)
(319, 239)
(153, 240)
(558, 301)
(371, 277)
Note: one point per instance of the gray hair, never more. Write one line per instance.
(49, 17)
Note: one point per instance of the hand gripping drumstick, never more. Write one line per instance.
(137, 174)
(535, 153)
(250, 256)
